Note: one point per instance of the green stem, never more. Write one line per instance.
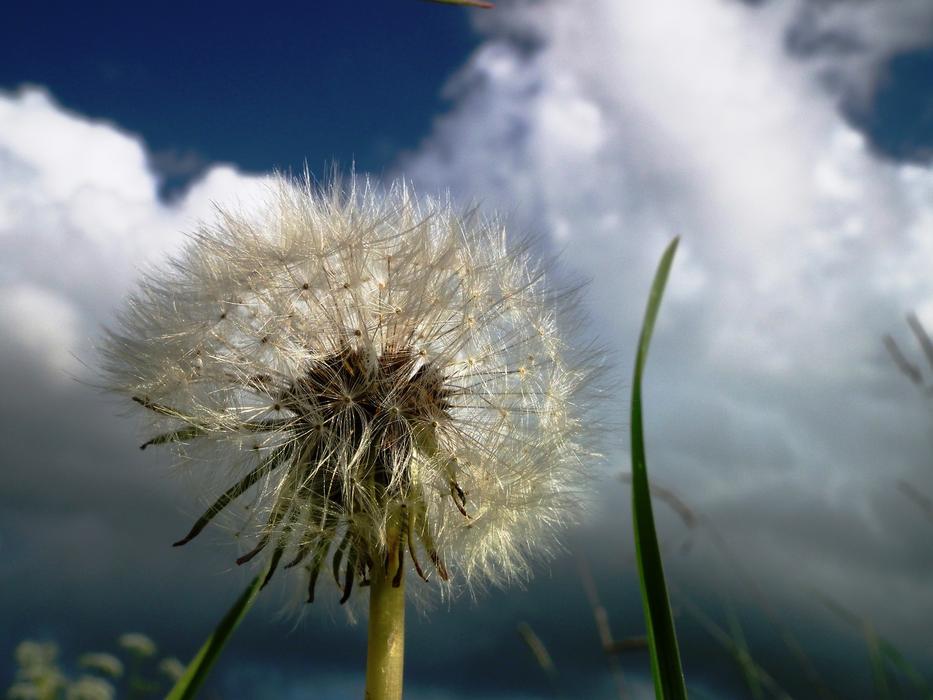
(386, 649)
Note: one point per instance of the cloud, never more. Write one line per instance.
(608, 126)
(612, 127)
(850, 41)
(80, 215)
(38, 324)
(84, 517)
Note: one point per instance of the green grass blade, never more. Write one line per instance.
(662, 639)
(743, 655)
(878, 671)
(901, 664)
(538, 650)
(880, 650)
(197, 671)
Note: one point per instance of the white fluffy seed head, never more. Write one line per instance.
(389, 377)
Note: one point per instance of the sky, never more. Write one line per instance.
(789, 144)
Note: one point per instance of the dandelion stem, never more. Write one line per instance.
(386, 649)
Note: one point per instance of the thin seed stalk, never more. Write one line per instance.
(386, 647)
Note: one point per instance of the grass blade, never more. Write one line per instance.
(662, 640)
(188, 685)
(538, 650)
(880, 650)
(901, 664)
(743, 655)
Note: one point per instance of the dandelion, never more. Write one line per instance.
(388, 378)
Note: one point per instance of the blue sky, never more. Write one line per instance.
(899, 119)
(317, 83)
(788, 143)
(273, 89)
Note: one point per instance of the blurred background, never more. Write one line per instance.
(789, 143)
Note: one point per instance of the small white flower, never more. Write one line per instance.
(105, 663)
(38, 670)
(172, 668)
(90, 688)
(137, 644)
(383, 375)
(24, 691)
(31, 654)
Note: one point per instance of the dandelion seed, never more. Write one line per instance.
(386, 375)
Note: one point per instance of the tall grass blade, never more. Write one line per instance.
(882, 689)
(901, 664)
(601, 617)
(721, 636)
(907, 368)
(743, 655)
(695, 520)
(542, 657)
(197, 671)
(921, 335)
(538, 650)
(880, 650)
(662, 639)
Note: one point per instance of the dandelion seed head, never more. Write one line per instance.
(387, 375)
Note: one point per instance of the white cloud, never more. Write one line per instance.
(95, 158)
(79, 215)
(850, 40)
(38, 324)
(613, 126)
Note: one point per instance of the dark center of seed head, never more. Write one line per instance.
(384, 401)
(397, 379)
